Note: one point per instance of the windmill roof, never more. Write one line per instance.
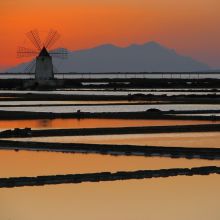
(44, 53)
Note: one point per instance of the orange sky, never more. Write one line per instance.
(191, 27)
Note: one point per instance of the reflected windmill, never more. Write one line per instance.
(42, 65)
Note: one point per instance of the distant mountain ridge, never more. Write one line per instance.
(148, 57)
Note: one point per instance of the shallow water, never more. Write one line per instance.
(114, 108)
(174, 198)
(42, 103)
(28, 163)
(122, 92)
(209, 114)
(118, 75)
(91, 123)
(117, 93)
(191, 198)
(193, 139)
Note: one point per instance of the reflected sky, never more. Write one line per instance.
(26, 163)
(193, 139)
(112, 92)
(91, 123)
(115, 108)
(191, 198)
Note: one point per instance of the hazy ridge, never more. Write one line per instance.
(148, 57)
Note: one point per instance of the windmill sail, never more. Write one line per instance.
(51, 39)
(34, 38)
(26, 52)
(61, 53)
(30, 68)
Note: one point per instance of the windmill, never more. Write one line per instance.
(42, 65)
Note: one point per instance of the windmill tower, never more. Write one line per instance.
(42, 65)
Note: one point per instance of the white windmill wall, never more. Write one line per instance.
(44, 68)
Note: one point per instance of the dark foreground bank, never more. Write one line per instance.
(148, 114)
(27, 132)
(105, 176)
(128, 150)
(106, 82)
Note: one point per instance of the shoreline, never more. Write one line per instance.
(106, 82)
(105, 176)
(158, 115)
(115, 150)
(28, 132)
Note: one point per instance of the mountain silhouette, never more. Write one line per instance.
(148, 57)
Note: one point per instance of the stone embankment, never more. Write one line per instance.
(105, 176)
(127, 150)
(27, 132)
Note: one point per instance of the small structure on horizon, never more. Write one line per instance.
(42, 65)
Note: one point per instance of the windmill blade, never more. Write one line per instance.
(60, 53)
(26, 52)
(46, 42)
(33, 36)
(30, 68)
(51, 39)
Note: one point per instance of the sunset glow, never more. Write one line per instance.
(189, 27)
(109, 109)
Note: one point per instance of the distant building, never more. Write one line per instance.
(44, 66)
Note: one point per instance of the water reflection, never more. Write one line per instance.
(42, 103)
(123, 93)
(194, 139)
(91, 123)
(179, 198)
(45, 123)
(114, 108)
(24, 163)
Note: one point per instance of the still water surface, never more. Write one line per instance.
(191, 198)
(91, 123)
(100, 90)
(181, 198)
(194, 139)
(117, 93)
(114, 108)
(27, 163)
(165, 75)
(42, 103)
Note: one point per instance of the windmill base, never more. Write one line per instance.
(43, 84)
